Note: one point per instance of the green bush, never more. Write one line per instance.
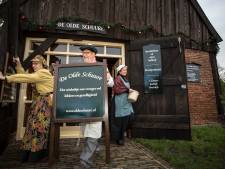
(222, 96)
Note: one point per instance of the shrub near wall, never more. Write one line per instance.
(202, 98)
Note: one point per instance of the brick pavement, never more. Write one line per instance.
(130, 156)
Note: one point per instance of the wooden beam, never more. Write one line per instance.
(40, 50)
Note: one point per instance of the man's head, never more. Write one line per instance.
(89, 53)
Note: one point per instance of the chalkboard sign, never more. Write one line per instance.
(79, 91)
(152, 68)
(80, 95)
(193, 72)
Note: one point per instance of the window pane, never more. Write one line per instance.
(75, 59)
(74, 48)
(100, 49)
(113, 50)
(59, 47)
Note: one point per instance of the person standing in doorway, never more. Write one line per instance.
(122, 107)
(93, 130)
(35, 140)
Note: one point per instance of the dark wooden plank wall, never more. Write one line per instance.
(182, 17)
(122, 15)
(3, 44)
(161, 114)
(196, 28)
(166, 16)
(3, 33)
(7, 115)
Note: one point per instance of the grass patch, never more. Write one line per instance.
(205, 151)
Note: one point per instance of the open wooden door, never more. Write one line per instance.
(162, 114)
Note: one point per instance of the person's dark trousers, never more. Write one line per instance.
(114, 130)
(129, 125)
(25, 155)
(121, 123)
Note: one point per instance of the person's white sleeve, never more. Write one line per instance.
(110, 82)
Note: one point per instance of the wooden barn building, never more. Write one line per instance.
(169, 47)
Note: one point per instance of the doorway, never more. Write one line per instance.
(67, 51)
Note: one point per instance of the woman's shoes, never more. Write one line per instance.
(25, 156)
(120, 142)
(39, 156)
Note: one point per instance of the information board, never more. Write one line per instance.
(152, 68)
(193, 72)
(79, 91)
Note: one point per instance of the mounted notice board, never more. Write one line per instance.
(152, 68)
(80, 92)
(193, 72)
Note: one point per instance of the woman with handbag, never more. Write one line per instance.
(123, 108)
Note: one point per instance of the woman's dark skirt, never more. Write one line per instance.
(118, 125)
(35, 140)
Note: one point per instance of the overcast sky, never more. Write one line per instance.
(215, 11)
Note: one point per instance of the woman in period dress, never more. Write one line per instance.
(122, 107)
(35, 140)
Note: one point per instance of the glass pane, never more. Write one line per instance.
(74, 48)
(76, 59)
(113, 50)
(100, 49)
(35, 45)
(59, 47)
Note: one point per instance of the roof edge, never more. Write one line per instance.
(206, 20)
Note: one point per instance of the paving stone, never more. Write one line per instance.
(129, 156)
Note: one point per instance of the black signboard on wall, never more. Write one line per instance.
(193, 72)
(79, 91)
(78, 26)
(152, 68)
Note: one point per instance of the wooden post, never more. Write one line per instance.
(107, 141)
(51, 151)
(4, 73)
(57, 138)
(106, 121)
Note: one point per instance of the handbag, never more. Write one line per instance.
(133, 95)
